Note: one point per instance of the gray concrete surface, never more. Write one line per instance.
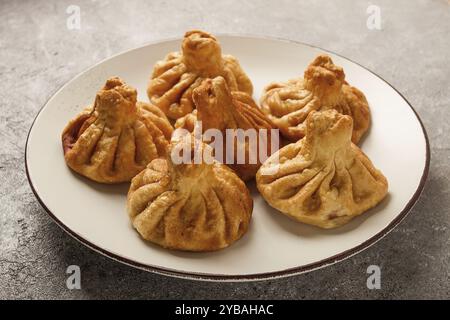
(38, 54)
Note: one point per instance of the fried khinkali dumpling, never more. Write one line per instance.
(323, 179)
(175, 77)
(190, 206)
(323, 87)
(219, 108)
(113, 140)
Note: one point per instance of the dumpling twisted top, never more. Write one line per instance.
(111, 141)
(219, 108)
(323, 179)
(323, 87)
(174, 78)
(189, 206)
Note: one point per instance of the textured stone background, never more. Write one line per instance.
(38, 55)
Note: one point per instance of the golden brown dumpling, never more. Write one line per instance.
(323, 179)
(115, 139)
(219, 108)
(323, 87)
(188, 206)
(175, 77)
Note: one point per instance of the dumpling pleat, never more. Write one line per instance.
(148, 220)
(157, 123)
(186, 97)
(290, 185)
(86, 145)
(104, 155)
(162, 66)
(160, 143)
(145, 150)
(167, 80)
(217, 214)
(126, 152)
(143, 196)
(299, 115)
(177, 90)
(173, 224)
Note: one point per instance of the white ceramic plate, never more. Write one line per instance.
(274, 246)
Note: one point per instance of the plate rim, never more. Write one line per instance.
(238, 277)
